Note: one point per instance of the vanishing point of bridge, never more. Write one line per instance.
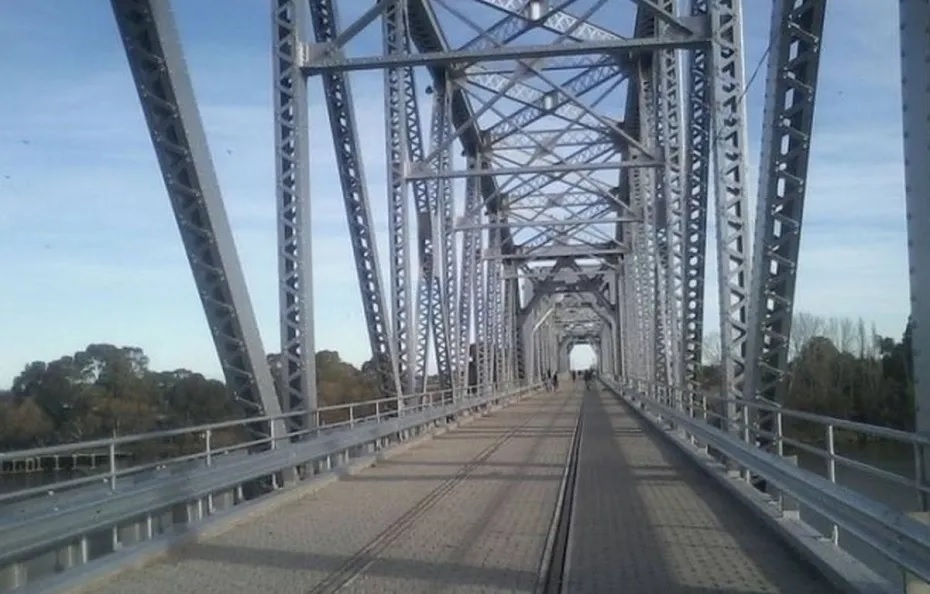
(551, 169)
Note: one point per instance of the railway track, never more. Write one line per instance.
(553, 571)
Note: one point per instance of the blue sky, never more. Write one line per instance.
(89, 250)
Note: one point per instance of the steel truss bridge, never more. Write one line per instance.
(551, 168)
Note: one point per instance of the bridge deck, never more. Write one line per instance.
(647, 520)
(470, 511)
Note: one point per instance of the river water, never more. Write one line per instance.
(894, 495)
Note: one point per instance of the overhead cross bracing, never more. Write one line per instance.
(533, 150)
(524, 138)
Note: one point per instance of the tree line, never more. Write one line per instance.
(838, 367)
(105, 389)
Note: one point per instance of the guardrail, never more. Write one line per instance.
(326, 418)
(891, 532)
(66, 524)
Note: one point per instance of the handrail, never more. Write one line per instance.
(110, 473)
(917, 442)
(149, 435)
(774, 407)
(889, 531)
(42, 530)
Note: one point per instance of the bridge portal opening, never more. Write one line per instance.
(581, 357)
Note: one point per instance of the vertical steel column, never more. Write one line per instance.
(643, 184)
(155, 58)
(517, 363)
(669, 112)
(398, 96)
(794, 57)
(622, 335)
(494, 304)
(730, 181)
(481, 314)
(449, 259)
(653, 120)
(471, 256)
(341, 109)
(915, 82)
(696, 167)
(434, 267)
(292, 170)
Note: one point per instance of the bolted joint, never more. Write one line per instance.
(310, 54)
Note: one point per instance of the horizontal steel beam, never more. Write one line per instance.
(423, 171)
(324, 58)
(548, 223)
(556, 252)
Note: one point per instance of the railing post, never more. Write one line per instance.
(271, 434)
(921, 478)
(779, 436)
(377, 412)
(351, 415)
(831, 474)
(112, 456)
(744, 419)
(207, 438)
(747, 436)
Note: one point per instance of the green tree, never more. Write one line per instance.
(23, 424)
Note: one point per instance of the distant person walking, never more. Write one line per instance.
(555, 381)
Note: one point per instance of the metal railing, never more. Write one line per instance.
(325, 419)
(890, 531)
(42, 525)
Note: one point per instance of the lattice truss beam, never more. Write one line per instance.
(533, 149)
(794, 59)
(528, 148)
(153, 49)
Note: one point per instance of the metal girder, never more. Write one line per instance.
(431, 272)
(558, 20)
(570, 164)
(915, 80)
(468, 285)
(420, 172)
(554, 223)
(332, 60)
(481, 317)
(494, 307)
(794, 59)
(654, 221)
(545, 103)
(730, 181)
(425, 33)
(532, 139)
(563, 251)
(668, 98)
(341, 110)
(403, 136)
(165, 92)
(696, 155)
(295, 273)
